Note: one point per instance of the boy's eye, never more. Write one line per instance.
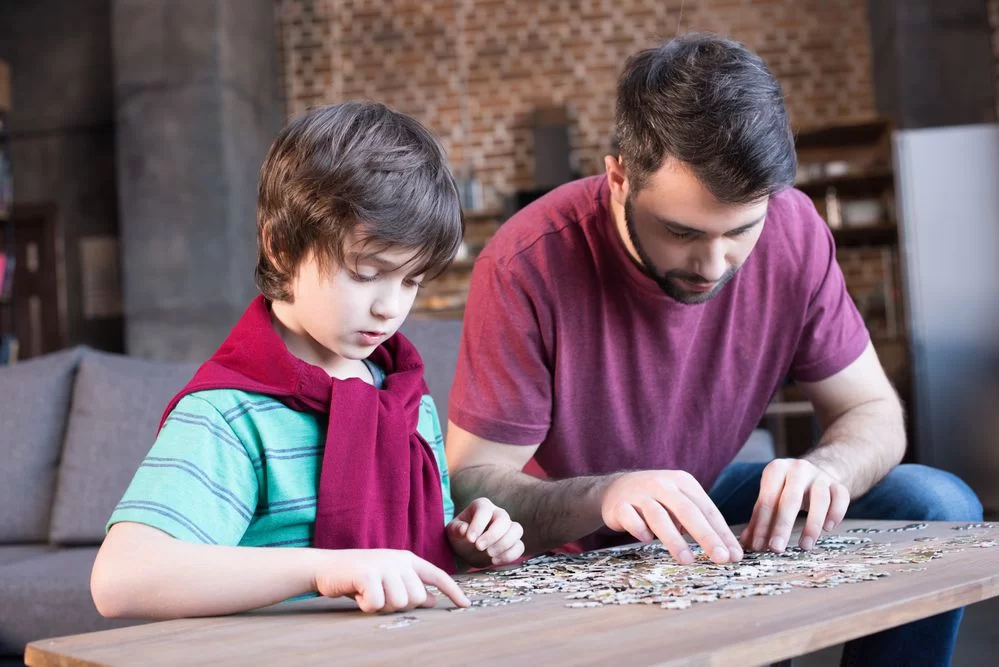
(678, 235)
(362, 278)
(418, 284)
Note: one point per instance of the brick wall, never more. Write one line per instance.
(474, 70)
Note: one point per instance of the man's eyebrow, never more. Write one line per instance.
(678, 227)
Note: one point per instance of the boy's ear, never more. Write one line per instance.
(267, 245)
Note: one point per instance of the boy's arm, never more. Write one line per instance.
(141, 572)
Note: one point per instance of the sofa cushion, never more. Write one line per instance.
(116, 409)
(11, 553)
(48, 596)
(437, 341)
(34, 402)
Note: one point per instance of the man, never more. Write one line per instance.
(628, 330)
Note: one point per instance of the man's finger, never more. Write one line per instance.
(771, 486)
(787, 511)
(658, 521)
(692, 518)
(818, 507)
(840, 502)
(633, 523)
(714, 517)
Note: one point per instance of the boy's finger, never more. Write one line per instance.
(458, 527)
(480, 519)
(434, 576)
(506, 540)
(510, 555)
(499, 527)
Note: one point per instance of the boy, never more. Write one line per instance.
(305, 457)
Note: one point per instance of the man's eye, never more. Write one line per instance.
(678, 235)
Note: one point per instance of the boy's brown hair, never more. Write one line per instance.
(355, 165)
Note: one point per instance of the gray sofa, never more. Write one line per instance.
(74, 426)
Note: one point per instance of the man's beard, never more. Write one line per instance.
(668, 281)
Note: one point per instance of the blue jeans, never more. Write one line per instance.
(908, 493)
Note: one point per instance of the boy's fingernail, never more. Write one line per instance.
(686, 556)
(758, 544)
(830, 525)
(471, 537)
(777, 544)
(807, 543)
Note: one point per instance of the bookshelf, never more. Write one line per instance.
(8, 340)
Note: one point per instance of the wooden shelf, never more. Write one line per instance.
(860, 134)
(849, 185)
(873, 235)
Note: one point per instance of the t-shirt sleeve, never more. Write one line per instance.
(198, 483)
(503, 383)
(430, 428)
(834, 333)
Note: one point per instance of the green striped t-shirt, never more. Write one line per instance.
(236, 468)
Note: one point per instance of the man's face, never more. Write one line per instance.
(690, 243)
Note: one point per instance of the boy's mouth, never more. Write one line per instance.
(372, 337)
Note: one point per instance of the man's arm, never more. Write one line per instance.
(553, 513)
(863, 439)
(864, 429)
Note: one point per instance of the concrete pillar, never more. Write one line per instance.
(196, 107)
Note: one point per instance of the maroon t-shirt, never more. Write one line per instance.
(567, 343)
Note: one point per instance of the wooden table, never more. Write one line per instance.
(543, 631)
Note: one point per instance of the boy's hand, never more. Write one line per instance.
(484, 535)
(385, 580)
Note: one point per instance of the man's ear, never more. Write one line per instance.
(617, 178)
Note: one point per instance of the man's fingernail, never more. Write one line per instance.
(471, 537)
(807, 543)
(830, 525)
(737, 553)
(719, 554)
(758, 544)
(777, 544)
(686, 557)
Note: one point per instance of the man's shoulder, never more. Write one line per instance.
(547, 221)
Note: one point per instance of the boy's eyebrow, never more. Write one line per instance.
(377, 260)
(676, 226)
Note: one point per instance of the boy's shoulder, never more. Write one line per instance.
(229, 404)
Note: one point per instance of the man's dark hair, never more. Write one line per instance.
(355, 165)
(715, 106)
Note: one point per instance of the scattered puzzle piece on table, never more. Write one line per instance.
(647, 574)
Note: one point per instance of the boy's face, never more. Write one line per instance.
(352, 309)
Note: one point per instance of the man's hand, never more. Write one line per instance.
(484, 535)
(662, 503)
(788, 486)
(384, 579)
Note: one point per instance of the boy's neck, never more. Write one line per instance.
(303, 346)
